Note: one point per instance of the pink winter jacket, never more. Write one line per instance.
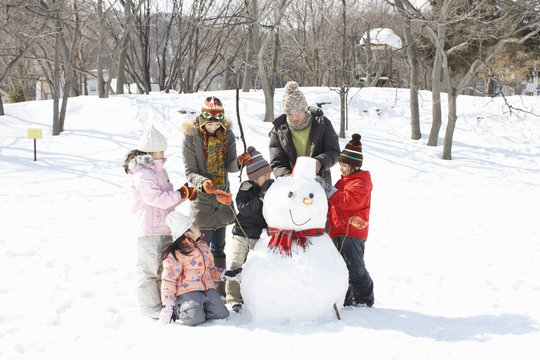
(154, 196)
(192, 272)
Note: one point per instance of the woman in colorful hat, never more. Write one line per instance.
(209, 153)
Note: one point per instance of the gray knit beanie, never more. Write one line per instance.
(293, 101)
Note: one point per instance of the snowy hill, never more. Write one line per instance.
(453, 247)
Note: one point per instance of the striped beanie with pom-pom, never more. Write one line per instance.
(258, 166)
(352, 153)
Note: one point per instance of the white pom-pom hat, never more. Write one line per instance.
(178, 223)
(152, 140)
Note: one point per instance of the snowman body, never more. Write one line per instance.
(305, 282)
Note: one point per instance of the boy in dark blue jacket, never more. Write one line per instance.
(250, 221)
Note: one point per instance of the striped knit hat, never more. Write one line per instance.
(212, 111)
(352, 154)
(258, 166)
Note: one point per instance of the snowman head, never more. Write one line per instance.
(297, 202)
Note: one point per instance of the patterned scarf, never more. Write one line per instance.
(215, 153)
(282, 240)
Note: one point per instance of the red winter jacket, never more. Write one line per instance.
(353, 198)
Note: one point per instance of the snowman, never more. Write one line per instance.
(294, 273)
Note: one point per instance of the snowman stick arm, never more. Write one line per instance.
(337, 312)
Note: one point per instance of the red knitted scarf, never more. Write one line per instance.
(282, 240)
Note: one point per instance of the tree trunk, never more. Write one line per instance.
(342, 101)
(413, 75)
(343, 88)
(56, 91)
(436, 101)
(101, 50)
(121, 72)
(452, 118)
(1, 106)
(265, 84)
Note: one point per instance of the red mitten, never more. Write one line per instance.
(358, 222)
(223, 197)
(208, 187)
(243, 159)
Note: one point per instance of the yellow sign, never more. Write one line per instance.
(34, 133)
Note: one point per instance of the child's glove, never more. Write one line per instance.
(223, 197)
(243, 159)
(358, 222)
(188, 192)
(328, 189)
(166, 313)
(232, 275)
(208, 186)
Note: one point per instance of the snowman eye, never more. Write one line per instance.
(290, 194)
(311, 195)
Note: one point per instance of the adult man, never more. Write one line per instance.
(300, 132)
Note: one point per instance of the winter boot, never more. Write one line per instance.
(220, 285)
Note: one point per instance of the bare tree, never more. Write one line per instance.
(267, 80)
(26, 42)
(483, 22)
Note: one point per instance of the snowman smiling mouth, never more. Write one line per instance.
(294, 222)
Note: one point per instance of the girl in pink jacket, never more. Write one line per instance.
(188, 291)
(154, 197)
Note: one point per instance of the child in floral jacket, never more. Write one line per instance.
(188, 292)
(349, 204)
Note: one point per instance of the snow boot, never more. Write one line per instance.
(220, 285)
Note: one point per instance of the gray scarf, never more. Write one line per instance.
(304, 124)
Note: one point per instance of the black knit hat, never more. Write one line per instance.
(352, 154)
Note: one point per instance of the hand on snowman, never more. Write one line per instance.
(328, 189)
(265, 188)
(232, 275)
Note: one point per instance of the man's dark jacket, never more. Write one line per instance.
(324, 146)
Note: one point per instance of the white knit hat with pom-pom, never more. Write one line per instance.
(152, 140)
(293, 101)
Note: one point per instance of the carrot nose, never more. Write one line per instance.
(307, 201)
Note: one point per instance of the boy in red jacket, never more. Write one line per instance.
(348, 215)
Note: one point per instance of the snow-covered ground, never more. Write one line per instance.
(453, 248)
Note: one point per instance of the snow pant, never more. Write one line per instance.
(149, 268)
(216, 240)
(196, 307)
(360, 289)
(241, 245)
